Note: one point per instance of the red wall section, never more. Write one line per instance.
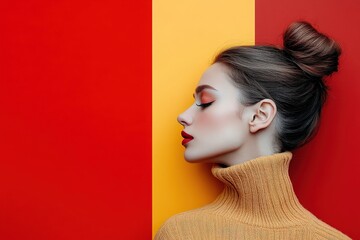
(75, 119)
(326, 172)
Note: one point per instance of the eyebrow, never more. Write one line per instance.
(202, 87)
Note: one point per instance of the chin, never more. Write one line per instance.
(215, 156)
(196, 158)
(191, 158)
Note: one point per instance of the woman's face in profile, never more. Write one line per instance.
(215, 126)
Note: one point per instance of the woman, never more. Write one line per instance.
(252, 107)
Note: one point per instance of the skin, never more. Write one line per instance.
(224, 130)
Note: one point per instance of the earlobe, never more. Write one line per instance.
(264, 113)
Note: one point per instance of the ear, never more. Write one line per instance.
(263, 114)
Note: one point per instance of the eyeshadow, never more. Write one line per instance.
(205, 97)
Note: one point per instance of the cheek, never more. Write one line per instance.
(212, 120)
(208, 120)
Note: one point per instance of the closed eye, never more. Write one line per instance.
(204, 105)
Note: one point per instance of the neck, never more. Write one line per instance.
(259, 192)
(254, 147)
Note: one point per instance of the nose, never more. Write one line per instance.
(185, 118)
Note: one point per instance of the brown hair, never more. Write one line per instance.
(292, 76)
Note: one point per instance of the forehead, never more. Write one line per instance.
(217, 77)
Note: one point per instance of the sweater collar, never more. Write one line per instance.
(259, 192)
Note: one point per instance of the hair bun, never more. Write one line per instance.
(312, 51)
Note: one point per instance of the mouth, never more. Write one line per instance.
(187, 138)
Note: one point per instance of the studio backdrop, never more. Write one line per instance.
(90, 92)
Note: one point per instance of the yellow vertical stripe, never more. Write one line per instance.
(186, 36)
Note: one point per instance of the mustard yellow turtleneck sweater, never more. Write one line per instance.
(258, 202)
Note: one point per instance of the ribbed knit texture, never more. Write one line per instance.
(258, 202)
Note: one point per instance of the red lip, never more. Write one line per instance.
(187, 138)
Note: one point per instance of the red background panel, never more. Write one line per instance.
(326, 172)
(75, 119)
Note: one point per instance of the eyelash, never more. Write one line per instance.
(204, 105)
